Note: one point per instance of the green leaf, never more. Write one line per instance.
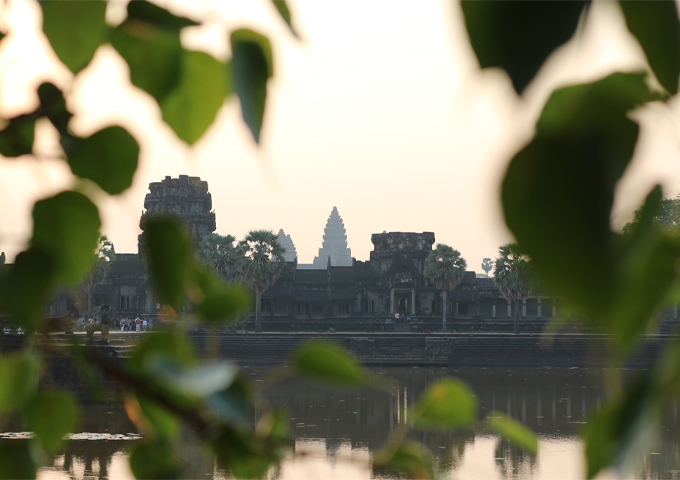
(170, 345)
(326, 362)
(239, 452)
(410, 458)
(18, 380)
(108, 157)
(192, 105)
(619, 434)
(66, 227)
(164, 424)
(167, 249)
(656, 27)
(75, 30)
(558, 191)
(51, 415)
(28, 284)
(519, 36)
(251, 67)
(17, 137)
(283, 10)
(647, 274)
(153, 55)
(53, 106)
(448, 403)
(216, 301)
(233, 404)
(155, 461)
(514, 431)
(157, 16)
(17, 460)
(202, 380)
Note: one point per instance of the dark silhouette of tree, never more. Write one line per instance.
(104, 255)
(667, 216)
(261, 265)
(512, 276)
(221, 254)
(487, 265)
(444, 267)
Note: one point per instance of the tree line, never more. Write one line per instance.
(445, 268)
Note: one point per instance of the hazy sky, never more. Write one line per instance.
(380, 110)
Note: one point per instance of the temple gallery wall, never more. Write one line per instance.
(334, 286)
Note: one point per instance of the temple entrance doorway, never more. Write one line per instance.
(403, 301)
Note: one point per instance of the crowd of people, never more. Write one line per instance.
(124, 324)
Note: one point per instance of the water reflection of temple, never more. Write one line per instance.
(341, 425)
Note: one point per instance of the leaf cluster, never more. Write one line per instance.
(558, 193)
(164, 382)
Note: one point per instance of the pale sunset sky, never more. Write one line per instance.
(380, 109)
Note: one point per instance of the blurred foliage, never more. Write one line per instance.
(447, 403)
(558, 193)
(514, 431)
(326, 362)
(557, 197)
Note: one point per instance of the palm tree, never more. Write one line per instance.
(104, 255)
(487, 265)
(512, 275)
(261, 265)
(220, 254)
(444, 267)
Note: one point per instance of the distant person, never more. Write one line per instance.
(102, 326)
(105, 323)
(81, 322)
(138, 323)
(150, 323)
(144, 325)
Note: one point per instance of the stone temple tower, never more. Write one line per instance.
(186, 198)
(334, 244)
(287, 243)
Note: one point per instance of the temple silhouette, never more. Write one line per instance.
(334, 287)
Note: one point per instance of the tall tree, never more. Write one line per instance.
(512, 276)
(221, 253)
(445, 267)
(666, 217)
(104, 255)
(261, 265)
(487, 265)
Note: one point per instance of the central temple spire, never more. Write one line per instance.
(334, 244)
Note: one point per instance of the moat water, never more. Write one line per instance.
(336, 431)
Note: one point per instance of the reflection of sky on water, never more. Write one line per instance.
(335, 430)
